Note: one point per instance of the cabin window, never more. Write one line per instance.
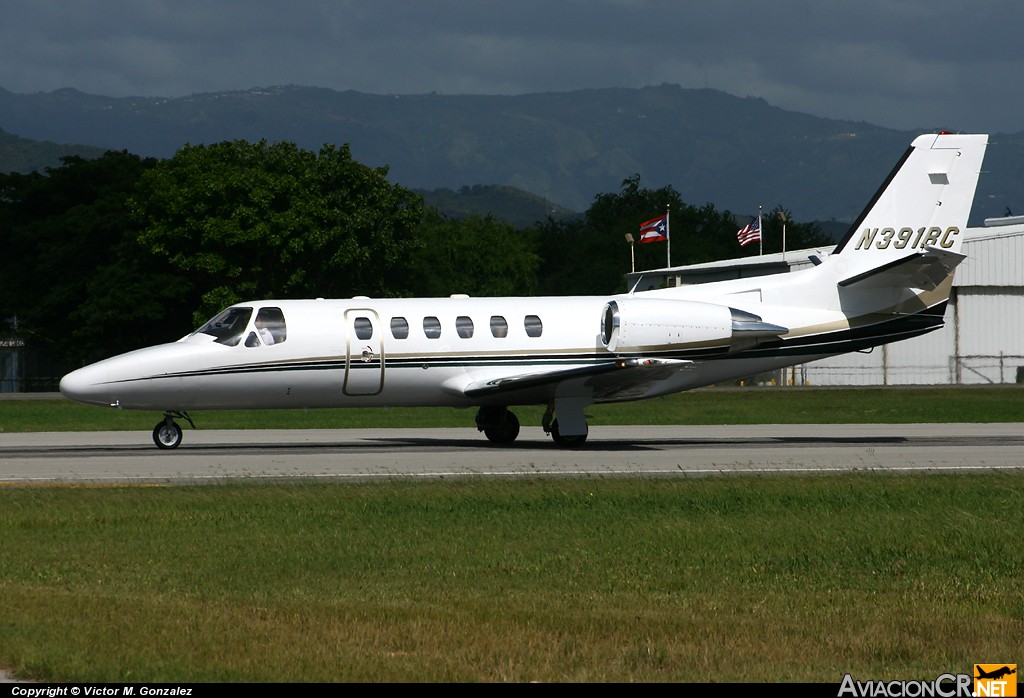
(499, 328)
(431, 327)
(534, 327)
(270, 326)
(227, 327)
(464, 326)
(399, 328)
(363, 327)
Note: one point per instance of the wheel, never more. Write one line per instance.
(573, 441)
(167, 434)
(505, 431)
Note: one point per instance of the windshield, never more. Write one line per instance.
(228, 326)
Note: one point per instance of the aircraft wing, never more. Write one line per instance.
(612, 380)
(924, 270)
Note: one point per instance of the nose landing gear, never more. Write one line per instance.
(167, 434)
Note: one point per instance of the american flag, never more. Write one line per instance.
(751, 232)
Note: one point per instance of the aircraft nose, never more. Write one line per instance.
(83, 386)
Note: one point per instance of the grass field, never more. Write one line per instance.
(717, 579)
(760, 578)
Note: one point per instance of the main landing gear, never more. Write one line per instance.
(498, 424)
(567, 440)
(167, 434)
(501, 426)
(572, 433)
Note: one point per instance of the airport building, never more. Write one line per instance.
(982, 341)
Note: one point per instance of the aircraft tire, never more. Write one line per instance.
(506, 432)
(167, 434)
(574, 441)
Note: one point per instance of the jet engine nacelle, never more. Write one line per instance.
(659, 324)
(655, 324)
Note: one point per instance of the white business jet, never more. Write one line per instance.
(888, 279)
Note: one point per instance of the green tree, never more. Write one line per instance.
(593, 255)
(799, 236)
(478, 255)
(255, 220)
(71, 271)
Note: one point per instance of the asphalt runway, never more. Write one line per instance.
(349, 454)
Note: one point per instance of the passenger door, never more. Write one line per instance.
(364, 361)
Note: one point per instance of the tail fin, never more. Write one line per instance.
(911, 232)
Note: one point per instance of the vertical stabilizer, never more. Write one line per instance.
(919, 214)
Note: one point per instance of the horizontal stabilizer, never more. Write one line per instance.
(924, 270)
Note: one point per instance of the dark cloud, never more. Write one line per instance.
(910, 64)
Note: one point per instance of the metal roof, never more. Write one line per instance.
(995, 258)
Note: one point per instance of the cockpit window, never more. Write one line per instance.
(270, 325)
(228, 326)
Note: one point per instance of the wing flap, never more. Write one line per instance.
(604, 381)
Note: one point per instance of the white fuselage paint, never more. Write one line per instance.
(322, 363)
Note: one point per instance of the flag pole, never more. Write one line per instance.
(668, 240)
(782, 215)
(760, 239)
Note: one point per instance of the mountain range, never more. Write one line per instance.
(566, 148)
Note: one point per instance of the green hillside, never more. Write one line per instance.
(24, 155)
(734, 152)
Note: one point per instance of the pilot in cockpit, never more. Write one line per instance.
(265, 334)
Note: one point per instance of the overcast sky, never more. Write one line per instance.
(912, 64)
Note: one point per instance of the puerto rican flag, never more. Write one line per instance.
(654, 230)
